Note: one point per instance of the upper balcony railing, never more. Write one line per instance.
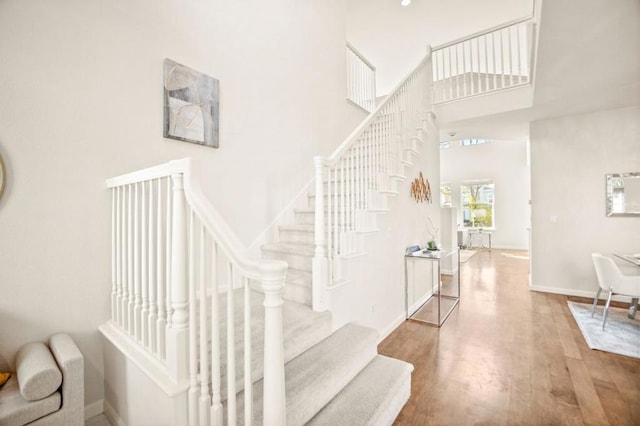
(361, 80)
(495, 59)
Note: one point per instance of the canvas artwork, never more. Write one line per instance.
(191, 105)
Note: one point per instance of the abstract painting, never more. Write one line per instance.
(191, 105)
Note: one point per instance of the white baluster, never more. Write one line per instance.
(168, 264)
(486, 64)
(193, 348)
(118, 231)
(495, 61)
(114, 255)
(319, 263)
(336, 212)
(274, 401)
(216, 404)
(123, 258)
(518, 54)
(144, 264)
(510, 56)
(177, 333)
(231, 349)
(137, 308)
(464, 70)
(205, 401)
(162, 279)
(153, 289)
(130, 254)
(502, 62)
(248, 383)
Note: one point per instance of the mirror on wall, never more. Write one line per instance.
(623, 194)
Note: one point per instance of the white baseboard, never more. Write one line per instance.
(577, 293)
(111, 414)
(392, 326)
(93, 409)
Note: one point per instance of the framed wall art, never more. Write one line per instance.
(191, 105)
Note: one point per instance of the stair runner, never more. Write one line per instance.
(340, 381)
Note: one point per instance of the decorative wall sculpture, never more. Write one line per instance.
(191, 105)
(420, 189)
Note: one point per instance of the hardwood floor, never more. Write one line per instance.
(511, 356)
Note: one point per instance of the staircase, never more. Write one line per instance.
(210, 327)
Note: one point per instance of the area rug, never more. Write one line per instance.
(466, 255)
(620, 336)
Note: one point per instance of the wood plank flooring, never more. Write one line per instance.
(508, 356)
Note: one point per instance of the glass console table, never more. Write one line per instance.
(432, 285)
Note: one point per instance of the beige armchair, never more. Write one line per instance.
(48, 386)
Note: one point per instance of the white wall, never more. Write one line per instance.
(504, 162)
(376, 296)
(569, 159)
(394, 37)
(81, 100)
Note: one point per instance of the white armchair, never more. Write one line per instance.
(48, 387)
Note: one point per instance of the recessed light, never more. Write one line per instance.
(405, 2)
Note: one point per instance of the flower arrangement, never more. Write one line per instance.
(433, 243)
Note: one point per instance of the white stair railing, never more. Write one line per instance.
(495, 59)
(361, 80)
(178, 278)
(350, 184)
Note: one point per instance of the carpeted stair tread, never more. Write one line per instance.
(302, 328)
(374, 397)
(316, 376)
(290, 248)
(299, 278)
(299, 228)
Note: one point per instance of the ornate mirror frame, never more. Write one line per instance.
(623, 194)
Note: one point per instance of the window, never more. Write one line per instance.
(445, 145)
(477, 204)
(445, 195)
(469, 142)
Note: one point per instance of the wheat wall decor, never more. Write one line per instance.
(420, 189)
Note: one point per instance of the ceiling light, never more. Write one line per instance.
(405, 2)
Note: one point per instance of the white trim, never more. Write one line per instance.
(281, 219)
(353, 103)
(391, 327)
(483, 32)
(577, 293)
(112, 415)
(487, 93)
(93, 409)
(143, 360)
(361, 56)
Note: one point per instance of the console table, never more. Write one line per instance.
(442, 291)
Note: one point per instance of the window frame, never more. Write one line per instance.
(491, 202)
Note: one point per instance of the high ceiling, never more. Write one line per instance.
(588, 59)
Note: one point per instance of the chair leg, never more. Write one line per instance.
(595, 301)
(606, 308)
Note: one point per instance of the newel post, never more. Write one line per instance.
(320, 266)
(177, 335)
(272, 273)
